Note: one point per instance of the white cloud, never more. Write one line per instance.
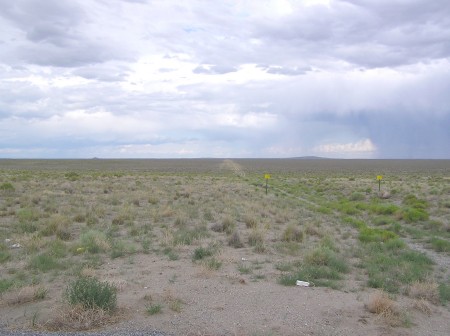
(364, 147)
(246, 78)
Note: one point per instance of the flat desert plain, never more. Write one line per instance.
(216, 246)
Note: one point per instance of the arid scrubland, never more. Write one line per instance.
(137, 235)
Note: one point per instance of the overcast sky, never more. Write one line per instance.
(199, 78)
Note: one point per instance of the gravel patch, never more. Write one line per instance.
(121, 332)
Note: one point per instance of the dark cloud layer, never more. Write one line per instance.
(136, 78)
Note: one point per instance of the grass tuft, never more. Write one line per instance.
(91, 293)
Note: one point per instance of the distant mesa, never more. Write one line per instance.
(310, 158)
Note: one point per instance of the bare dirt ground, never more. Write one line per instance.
(197, 300)
(227, 303)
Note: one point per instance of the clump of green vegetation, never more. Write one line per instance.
(412, 215)
(44, 263)
(28, 218)
(368, 234)
(383, 208)
(392, 265)
(186, 236)
(212, 264)
(91, 293)
(72, 176)
(322, 267)
(415, 210)
(201, 252)
(357, 196)
(118, 249)
(5, 284)
(382, 220)
(168, 251)
(292, 233)
(4, 253)
(440, 245)
(444, 293)
(94, 241)
(7, 186)
(154, 309)
(414, 202)
(244, 269)
(57, 249)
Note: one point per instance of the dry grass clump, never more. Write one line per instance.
(235, 240)
(255, 237)
(425, 291)
(423, 306)
(228, 225)
(292, 233)
(24, 295)
(76, 318)
(380, 304)
(250, 222)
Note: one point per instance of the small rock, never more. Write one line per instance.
(385, 195)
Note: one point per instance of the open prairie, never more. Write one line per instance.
(201, 247)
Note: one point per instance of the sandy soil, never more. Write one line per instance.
(226, 302)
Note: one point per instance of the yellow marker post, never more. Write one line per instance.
(379, 178)
(267, 177)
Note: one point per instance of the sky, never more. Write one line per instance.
(225, 79)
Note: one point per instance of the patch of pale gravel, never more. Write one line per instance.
(442, 259)
(122, 332)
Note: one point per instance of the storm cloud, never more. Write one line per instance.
(271, 78)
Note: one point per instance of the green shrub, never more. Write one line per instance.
(27, 220)
(57, 249)
(440, 245)
(382, 220)
(356, 223)
(94, 241)
(186, 236)
(7, 186)
(4, 253)
(255, 237)
(4, 256)
(44, 263)
(201, 252)
(5, 284)
(323, 256)
(348, 208)
(72, 176)
(414, 202)
(368, 234)
(322, 266)
(153, 309)
(391, 266)
(444, 292)
(91, 293)
(212, 264)
(383, 209)
(412, 215)
(324, 210)
(357, 196)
